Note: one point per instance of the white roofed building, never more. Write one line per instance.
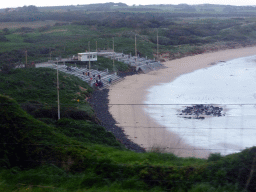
(87, 56)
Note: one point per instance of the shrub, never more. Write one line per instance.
(26, 142)
(86, 132)
(44, 28)
(234, 169)
(25, 30)
(3, 38)
(214, 157)
(6, 31)
(7, 68)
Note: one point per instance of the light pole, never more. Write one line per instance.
(89, 56)
(157, 45)
(135, 47)
(113, 54)
(58, 88)
(26, 54)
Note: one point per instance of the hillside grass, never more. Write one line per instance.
(38, 157)
(34, 24)
(38, 86)
(178, 38)
(41, 153)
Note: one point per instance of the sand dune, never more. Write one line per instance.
(126, 102)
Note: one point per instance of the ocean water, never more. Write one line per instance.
(230, 85)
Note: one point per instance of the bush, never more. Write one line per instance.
(3, 38)
(31, 106)
(214, 157)
(40, 111)
(25, 30)
(7, 68)
(6, 31)
(44, 28)
(16, 147)
(233, 169)
(207, 187)
(86, 132)
(26, 142)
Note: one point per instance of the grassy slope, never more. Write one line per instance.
(180, 37)
(69, 40)
(79, 154)
(38, 86)
(30, 141)
(35, 90)
(69, 155)
(63, 163)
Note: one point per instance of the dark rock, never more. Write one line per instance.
(201, 109)
(99, 101)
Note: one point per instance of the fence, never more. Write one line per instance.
(189, 130)
(172, 120)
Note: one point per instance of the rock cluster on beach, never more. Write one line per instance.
(201, 111)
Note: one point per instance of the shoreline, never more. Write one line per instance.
(126, 102)
(99, 102)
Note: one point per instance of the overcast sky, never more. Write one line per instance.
(15, 3)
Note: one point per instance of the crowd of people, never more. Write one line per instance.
(95, 80)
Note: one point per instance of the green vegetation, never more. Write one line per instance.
(67, 32)
(40, 153)
(34, 154)
(35, 90)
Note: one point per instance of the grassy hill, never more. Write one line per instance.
(47, 35)
(40, 153)
(35, 90)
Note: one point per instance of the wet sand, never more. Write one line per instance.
(127, 98)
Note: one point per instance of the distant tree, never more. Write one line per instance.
(30, 9)
(182, 6)
(6, 31)
(44, 28)
(25, 30)
(7, 10)
(122, 4)
(230, 9)
(6, 68)
(3, 38)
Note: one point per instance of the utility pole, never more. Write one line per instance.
(135, 51)
(26, 54)
(96, 46)
(113, 54)
(157, 45)
(136, 54)
(135, 47)
(89, 56)
(58, 88)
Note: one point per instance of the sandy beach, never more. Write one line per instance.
(126, 102)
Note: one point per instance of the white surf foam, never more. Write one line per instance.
(231, 85)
